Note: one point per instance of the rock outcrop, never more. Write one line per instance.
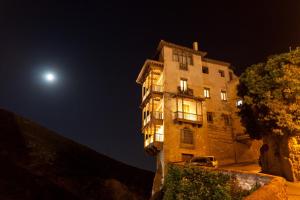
(37, 163)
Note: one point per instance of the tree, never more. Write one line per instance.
(271, 111)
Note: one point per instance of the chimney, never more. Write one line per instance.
(195, 46)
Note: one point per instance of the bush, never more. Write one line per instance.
(183, 183)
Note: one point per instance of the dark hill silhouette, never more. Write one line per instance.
(36, 163)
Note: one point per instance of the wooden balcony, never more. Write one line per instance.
(152, 91)
(187, 92)
(191, 118)
(153, 144)
(153, 118)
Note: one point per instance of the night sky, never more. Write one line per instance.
(97, 48)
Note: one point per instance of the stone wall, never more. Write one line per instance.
(275, 190)
(281, 156)
(272, 187)
(294, 156)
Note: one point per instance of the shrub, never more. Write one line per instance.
(183, 183)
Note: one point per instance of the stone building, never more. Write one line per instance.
(189, 108)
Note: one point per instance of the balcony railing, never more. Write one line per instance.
(188, 91)
(154, 138)
(156, 115)
(153, 88)
(188, 117)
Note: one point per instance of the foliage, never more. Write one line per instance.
(191, 183)
(271, 93)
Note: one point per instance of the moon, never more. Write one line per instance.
(50, 77)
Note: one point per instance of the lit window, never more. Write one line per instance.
(183, 85)
(205, 70)
(186, 108)
(223, 96)
(187, 136)
(210, 118)
(221, 72)
(206, 92)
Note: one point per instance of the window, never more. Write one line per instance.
(226, 119)
(205, 70)
(223, 96)
(230, 76)
(190, 60)
(186, 157)
(183, 58)
(183, 85)
(187, 136)
(183, 66)
(186, 108)
(210, 118)
(206, 92)
(175, 56)
(144, 90)
(221, 72)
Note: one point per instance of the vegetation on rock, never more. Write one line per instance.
(271, 111)
(193, 183)
(271, 94)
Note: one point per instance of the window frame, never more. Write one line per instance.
(183, 84)
(183, 58)
(223, 95)
(226, 119)
(221, 73)
(208, 115)
(206, 92)
(187, 139)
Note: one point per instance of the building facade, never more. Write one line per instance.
(189, 108)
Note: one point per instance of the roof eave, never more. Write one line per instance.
(163, 43)
(145, 67)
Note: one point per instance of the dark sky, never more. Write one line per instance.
(98, 47)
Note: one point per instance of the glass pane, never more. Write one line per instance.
(186, 108)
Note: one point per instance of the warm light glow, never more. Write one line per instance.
(239, 102)
(223, 96)
(160, 130)
(183, 85)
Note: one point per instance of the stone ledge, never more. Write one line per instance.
(273, 187)
(275, 190)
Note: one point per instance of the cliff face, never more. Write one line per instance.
(36, 163)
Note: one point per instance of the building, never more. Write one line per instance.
(189, 108)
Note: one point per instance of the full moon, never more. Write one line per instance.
(50, 77)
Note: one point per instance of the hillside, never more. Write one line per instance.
(37, 163)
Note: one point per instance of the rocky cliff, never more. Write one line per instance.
(36, 163)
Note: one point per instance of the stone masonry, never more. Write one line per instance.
(189, 108)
